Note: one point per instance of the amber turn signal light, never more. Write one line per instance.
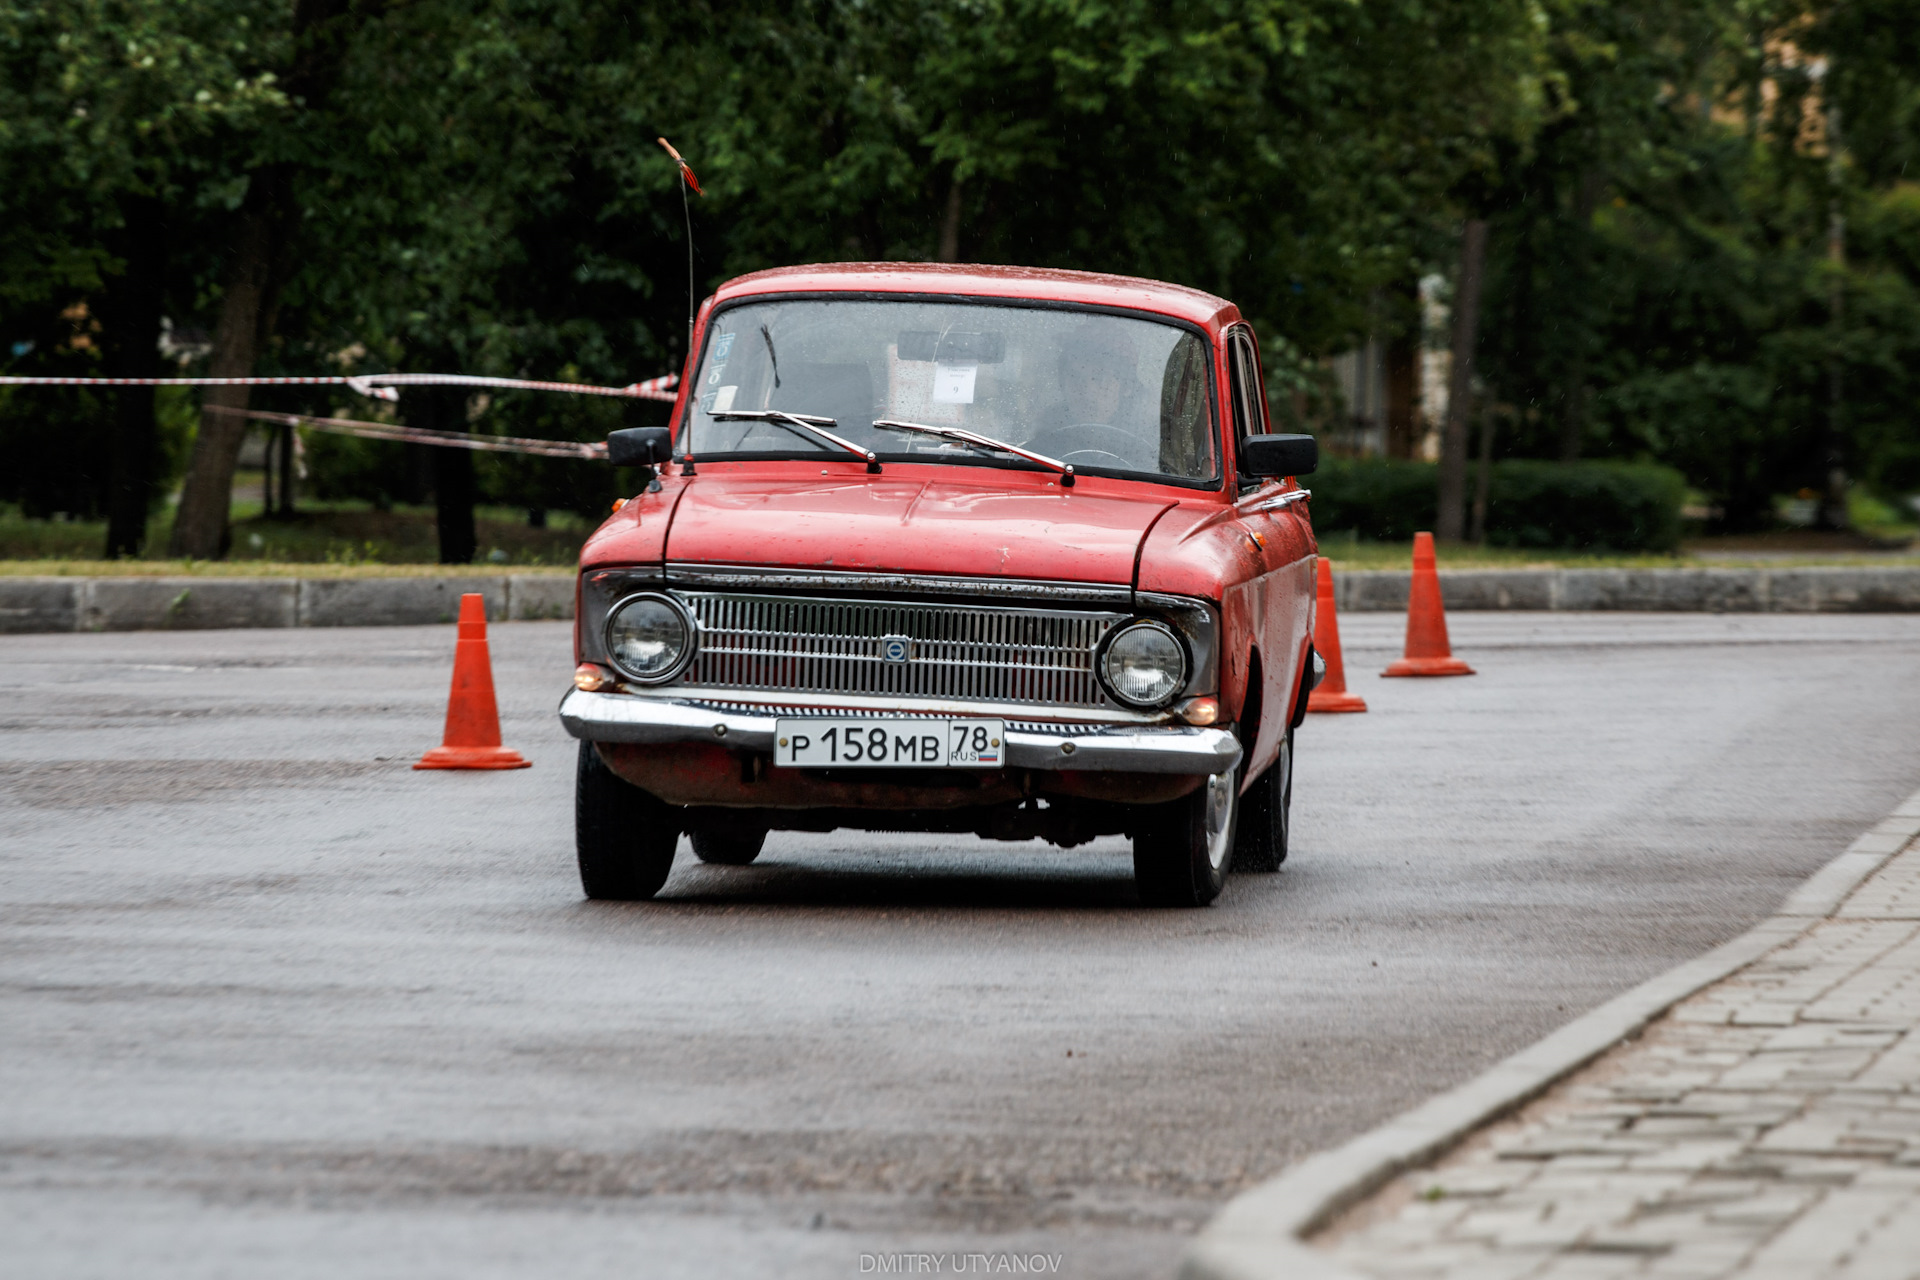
(1200, 710)
(589, 678)
(617, 504)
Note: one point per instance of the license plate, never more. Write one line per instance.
(890, 744)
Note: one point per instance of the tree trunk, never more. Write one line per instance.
(270, 443)
(1403, 372)
(453, 498)
(1483, 482)
(454, 487)
(1833, 512)
(256, 266)
(287, 463)
(132, 314)
(1466, 328)
(1833, 499)
(1575, 397)
(200, 527)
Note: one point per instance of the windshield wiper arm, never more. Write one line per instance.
(979, 441)
(806, 422)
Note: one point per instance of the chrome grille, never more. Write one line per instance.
(821, 713)
(806, 644)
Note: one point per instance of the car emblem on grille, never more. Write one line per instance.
(896, 648)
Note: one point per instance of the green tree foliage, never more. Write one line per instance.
(1585, 506)
(1288, 154)
(122, 128)
(1708, 257)
(475, 185)
(107, 101)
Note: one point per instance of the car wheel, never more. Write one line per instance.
(729, 848)
(625, 836)
(1181, 849)
(1266, 815)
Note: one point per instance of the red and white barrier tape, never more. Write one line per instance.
(660, 388)
(379, 385)
(594, 451)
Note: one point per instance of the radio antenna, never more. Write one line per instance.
(686, 180)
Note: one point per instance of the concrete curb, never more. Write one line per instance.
(158, 604)
(196, 604)
(1261, 1233)
(1820, 589)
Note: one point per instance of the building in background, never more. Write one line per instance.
(1359, 427)
(1392, 391)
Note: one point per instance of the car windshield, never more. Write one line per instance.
(1104, 393)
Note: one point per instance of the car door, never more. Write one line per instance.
(1273, 518)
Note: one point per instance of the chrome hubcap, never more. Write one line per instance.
(1220, 800)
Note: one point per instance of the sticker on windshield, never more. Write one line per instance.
(722, 400)
(722, 345)
(953, 383)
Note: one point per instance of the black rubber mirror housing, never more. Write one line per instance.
(1279, 455)
(640, 447)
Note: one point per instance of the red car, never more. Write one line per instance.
(954, 549)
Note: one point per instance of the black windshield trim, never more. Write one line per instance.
(1216, 483)
(955, 460)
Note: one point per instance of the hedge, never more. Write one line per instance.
(1583, 506)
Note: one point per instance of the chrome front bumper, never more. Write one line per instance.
(1123, 748)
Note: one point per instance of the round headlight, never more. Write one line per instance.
(1144, 665)
(649, 638)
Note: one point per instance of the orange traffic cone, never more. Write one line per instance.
(1428, 653)
(1332, 694)
(472, 739)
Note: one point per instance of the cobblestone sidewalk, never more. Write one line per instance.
(1766, 1129)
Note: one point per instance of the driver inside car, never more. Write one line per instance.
(1105, 415)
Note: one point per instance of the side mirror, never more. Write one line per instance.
(1279, 455)
(640, 447)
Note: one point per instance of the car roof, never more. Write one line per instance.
(1087, 287)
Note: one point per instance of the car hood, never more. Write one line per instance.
(912, 525)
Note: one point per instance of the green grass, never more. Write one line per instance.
(1781, 549)
(1348, 552)
(1878, 519)
(338, 536)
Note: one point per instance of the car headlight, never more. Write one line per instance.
(649, 638)
(1144, 664)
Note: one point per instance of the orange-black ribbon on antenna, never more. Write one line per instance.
(686, 170)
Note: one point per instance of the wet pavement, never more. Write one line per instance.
(273, 1003)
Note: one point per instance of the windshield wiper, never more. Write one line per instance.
(805, 422)
(979, 441)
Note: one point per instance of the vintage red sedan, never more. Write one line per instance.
(964, 549)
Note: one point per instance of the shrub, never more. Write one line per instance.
(1578, 506)
(1381, 499)
(1585, 506)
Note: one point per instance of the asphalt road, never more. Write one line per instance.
(272, 1004)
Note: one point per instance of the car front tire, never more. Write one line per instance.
(1266, 815)
(625, 837)
(1181, 849)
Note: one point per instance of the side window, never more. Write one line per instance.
(1249, 404)
(1257, 385)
